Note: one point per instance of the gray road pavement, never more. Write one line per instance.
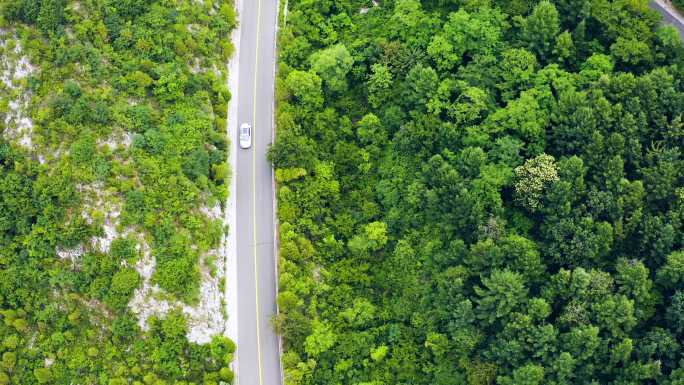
(258, 353)
(668, 17)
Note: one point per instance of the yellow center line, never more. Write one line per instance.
(254, 228)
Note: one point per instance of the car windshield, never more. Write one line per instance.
(244, 131)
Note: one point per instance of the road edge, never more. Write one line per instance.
(670, 9)
(274, 186)
(231, 330)
(667, 9)
(282, 7)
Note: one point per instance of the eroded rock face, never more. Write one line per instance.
(14, 68)
(207, 317)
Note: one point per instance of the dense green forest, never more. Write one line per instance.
(480, 192)
(128, 104)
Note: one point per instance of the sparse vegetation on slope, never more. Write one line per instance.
(126, 154)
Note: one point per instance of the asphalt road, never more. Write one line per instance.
(668, 17)
(258, 354)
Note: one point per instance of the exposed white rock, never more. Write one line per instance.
(144, 302)
(71, 254)
(195, 67)
(13, 68)
(205, 319)
(117, 140)
(104, 242)
(365, 10)
(213, 212)
(94, 197)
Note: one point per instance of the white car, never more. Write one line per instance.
(245, 135)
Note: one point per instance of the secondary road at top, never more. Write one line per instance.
(258, 354)
(670, 15)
